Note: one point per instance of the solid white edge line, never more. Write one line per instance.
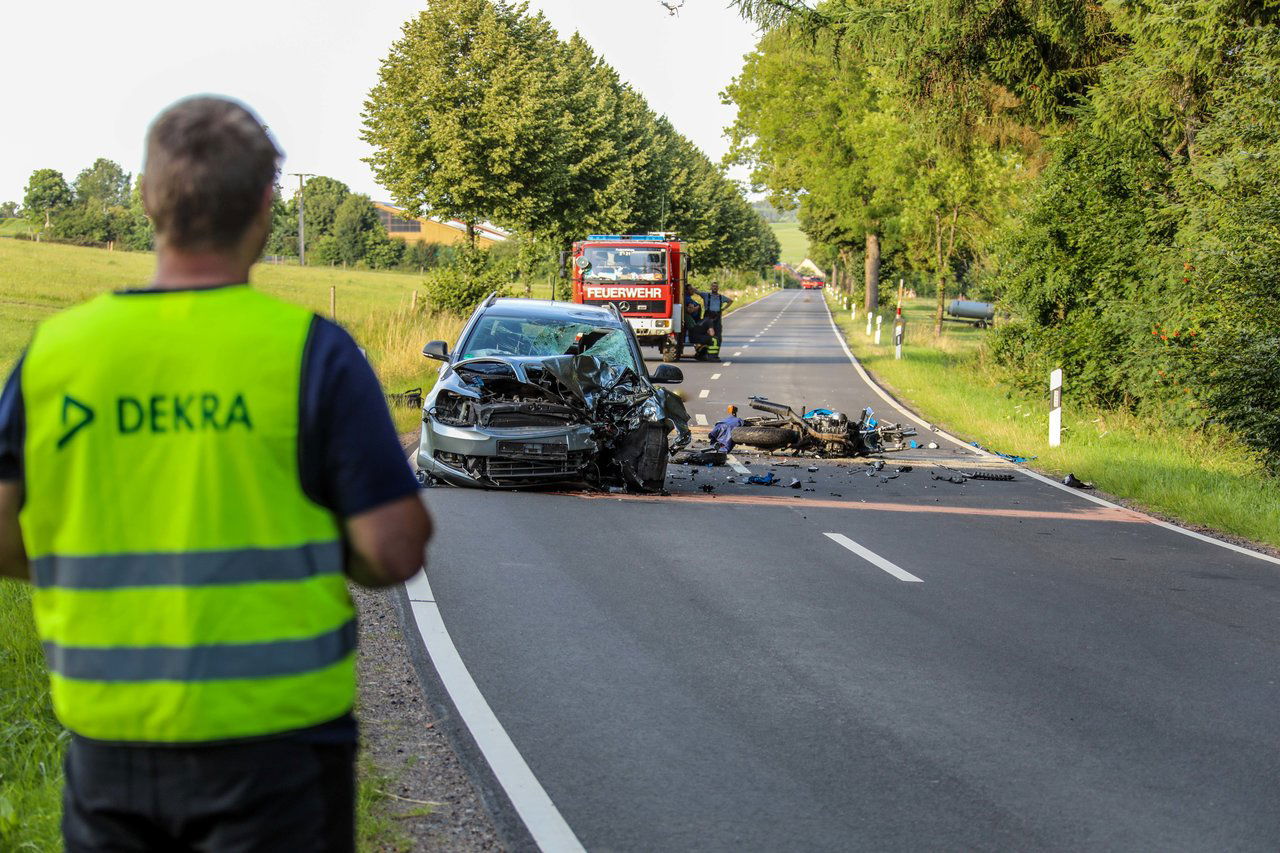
(873, 558)
(700, 419)
(548, 827)
(540, 816)
(736, 465)
(1035, 475)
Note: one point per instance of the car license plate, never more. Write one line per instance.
(535, 449)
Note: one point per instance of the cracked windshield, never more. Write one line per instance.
(509, 336)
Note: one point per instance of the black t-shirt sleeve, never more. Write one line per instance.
(12, 426)
(350, 459)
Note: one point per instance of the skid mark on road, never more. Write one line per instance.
(1121, 516)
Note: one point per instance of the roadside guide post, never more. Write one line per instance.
(868, 324)
(898, 326)
(1055, 408)
(879, 320)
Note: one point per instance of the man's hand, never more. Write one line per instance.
(388, 543)
(13, 554)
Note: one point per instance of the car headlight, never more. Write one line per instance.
(453, 410)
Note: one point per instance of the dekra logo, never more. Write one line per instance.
(161, 413)
(164, 413)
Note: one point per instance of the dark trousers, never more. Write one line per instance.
(268, 795)
(713, 317)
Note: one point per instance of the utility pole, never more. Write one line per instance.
(302, 228)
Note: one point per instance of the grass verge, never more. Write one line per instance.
(31, 740)
(1202, 479)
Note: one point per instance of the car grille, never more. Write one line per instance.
(500, 468)
(524, 419)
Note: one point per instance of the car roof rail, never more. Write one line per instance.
(613, 306)
(492, 298)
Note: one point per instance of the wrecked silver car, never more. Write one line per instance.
(543, 393)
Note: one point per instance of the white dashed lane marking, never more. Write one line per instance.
(700, 419)
(715, 376)
(873, 558)
(704, 394)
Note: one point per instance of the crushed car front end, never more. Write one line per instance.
(513, 422)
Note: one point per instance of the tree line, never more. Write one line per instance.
(103, 206)
(1102, 168)
(482, 113)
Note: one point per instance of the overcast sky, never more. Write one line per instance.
(85, 78)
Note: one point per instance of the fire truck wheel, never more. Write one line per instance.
(670, 354)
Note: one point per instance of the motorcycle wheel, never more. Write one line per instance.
(764, 437)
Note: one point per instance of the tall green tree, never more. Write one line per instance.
(322, 196)
(102, 186)
(355, 218)
(465, 118)
(46, 194)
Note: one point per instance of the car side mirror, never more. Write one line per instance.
(439, 350)
(667, 374)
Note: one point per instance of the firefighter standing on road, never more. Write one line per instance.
(715, 305)
(189, 473)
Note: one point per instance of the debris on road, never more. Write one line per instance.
(795, 483)
(1010, 457)
(707, 487)
(763, 479)
(1075, 483)
(710, 456)
(988, 475)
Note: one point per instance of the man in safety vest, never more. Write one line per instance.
(189, 474)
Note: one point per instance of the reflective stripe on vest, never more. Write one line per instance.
(186, 588)
(203, 663)
(199, 568)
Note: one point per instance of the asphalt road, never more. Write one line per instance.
(863, 664)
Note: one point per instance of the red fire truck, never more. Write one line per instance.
(644, 275)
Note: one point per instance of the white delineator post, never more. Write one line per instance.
(898, 329)
(879, 320)
(1055, 408)
(868, 324)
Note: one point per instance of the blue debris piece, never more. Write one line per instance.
(1016, 460)
(763, 479)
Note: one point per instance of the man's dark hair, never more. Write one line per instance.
(208, 162)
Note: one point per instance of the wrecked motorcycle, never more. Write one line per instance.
(820, 432)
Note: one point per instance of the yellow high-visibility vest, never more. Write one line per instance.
(186, 588)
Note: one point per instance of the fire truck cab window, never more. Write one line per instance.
(615, 263)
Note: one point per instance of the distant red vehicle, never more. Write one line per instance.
(810, 282)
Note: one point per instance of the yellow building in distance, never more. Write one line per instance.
(448, 232)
